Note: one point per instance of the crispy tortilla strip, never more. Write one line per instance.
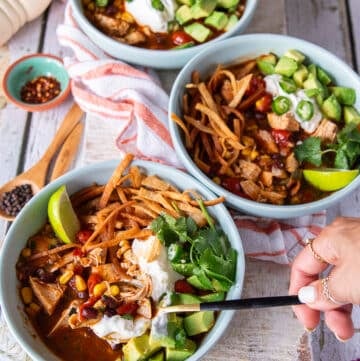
(101, 226)
(156, 207)
(231, 77)
(86, 194)
(206, 97)
(154, 182)
(251, 99)
(199, 125)
(122, 196)
(212, 202)
(53, 251)
(243, 69)
(136, 176)
(216, 120)
(181, 124)
(155, 196)
(141, 210)
(113, 181)
(176, 196)
(240, 90)
(142, 221)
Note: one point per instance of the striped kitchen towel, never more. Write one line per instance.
(113, 90)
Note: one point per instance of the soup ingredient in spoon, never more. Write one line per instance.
(62, 216)
(13, 201)
(40, 90)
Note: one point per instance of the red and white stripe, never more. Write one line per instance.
(113, 90)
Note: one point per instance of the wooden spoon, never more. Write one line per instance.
(36, 175)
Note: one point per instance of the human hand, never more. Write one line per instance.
(339, 245)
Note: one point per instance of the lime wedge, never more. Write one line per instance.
(62, 216)
(330, 179)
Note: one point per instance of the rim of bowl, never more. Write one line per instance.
(36, 107)
(243, 204)
(79, 173)
(136, 52)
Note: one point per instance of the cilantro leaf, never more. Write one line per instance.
(341, 161)
(310, 151)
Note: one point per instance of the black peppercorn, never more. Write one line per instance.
(13, 201)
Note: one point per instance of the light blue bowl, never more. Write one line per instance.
(238, 49)
(162, 59)
(34, 215)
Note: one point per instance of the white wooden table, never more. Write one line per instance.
(271, 334)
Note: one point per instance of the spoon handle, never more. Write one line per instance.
(71, 119)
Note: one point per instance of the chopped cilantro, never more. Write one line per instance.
(158, 5)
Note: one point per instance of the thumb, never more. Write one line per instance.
(322, 294)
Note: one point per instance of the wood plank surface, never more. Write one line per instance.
(354, 16)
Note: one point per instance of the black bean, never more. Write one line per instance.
(45, 276)
(109, 312)
(13, 201)
(89, 313)
(110, 302)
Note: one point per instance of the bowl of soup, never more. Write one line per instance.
(161, 34)
(269, 122)
(87, 283)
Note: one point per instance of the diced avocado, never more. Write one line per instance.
(346, 96)
(323, 76)
(313, 83)
(183, 14)
(212, 297)
(331, 108)
(181, 354)
(138, 348)
(199, 322)
(313, 70)
(286, 66)
(164, 336)
(300, 75)
(351, 115)
(202, 8)
(217, 19)
(266, 63)
(296, 55)
(312, 92)
(233, 19)
(198, 32)
(186, 269)
(186, 2)
(158, 357)
(269, 58)
(227, 4)
(186, 299)
(219, 286)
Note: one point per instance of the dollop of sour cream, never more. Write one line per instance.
(116, 329)
(273, 87)
(146, 15)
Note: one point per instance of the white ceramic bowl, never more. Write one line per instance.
(34, 215)
(162, 59)
(238, 49)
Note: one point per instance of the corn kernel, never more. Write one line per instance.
(26, 252)
(254, 154)
(99, 289)
(127, 17)
(66, 277)
(27, 295)
(35, 307)
(99, 305)
(80, 284)
(114, 290)
(246, 151)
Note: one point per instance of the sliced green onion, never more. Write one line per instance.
(287, 85)
(305, 110)
(158, 5)
(281, 105)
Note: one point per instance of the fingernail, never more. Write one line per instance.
(309, 329)
(340, 339)
(307, 294)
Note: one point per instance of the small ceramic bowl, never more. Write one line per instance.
(236, 50)
(34, 215)
(30, 67)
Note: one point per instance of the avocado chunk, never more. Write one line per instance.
(158, 357)
(300, 75)
(313, 70)
(286, 66)
(323, 76)
(227, 4)
(164, 330)
(202, 8)
(296, 55)
(198, 32)
(313, 83)
(331, 108)
(139, 348)
(351, 115)
(217, 19)
(199, 322)
(201, 282)
(346, 96)
(213, 297)
(186, 2)
(186, 299)
(181, 353)
(233, 19)
(183, 14)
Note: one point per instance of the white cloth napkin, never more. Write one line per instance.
(111, 89)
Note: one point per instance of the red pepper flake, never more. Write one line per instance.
(40, 90)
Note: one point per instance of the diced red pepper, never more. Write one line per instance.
(78, 252)
(83, 235)
(264, 103)
(232, 184)
(256, 83)
(182, 286)
(93, 280)
(86, 305)
(281, 137)
(127, 309)
(180, 38)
